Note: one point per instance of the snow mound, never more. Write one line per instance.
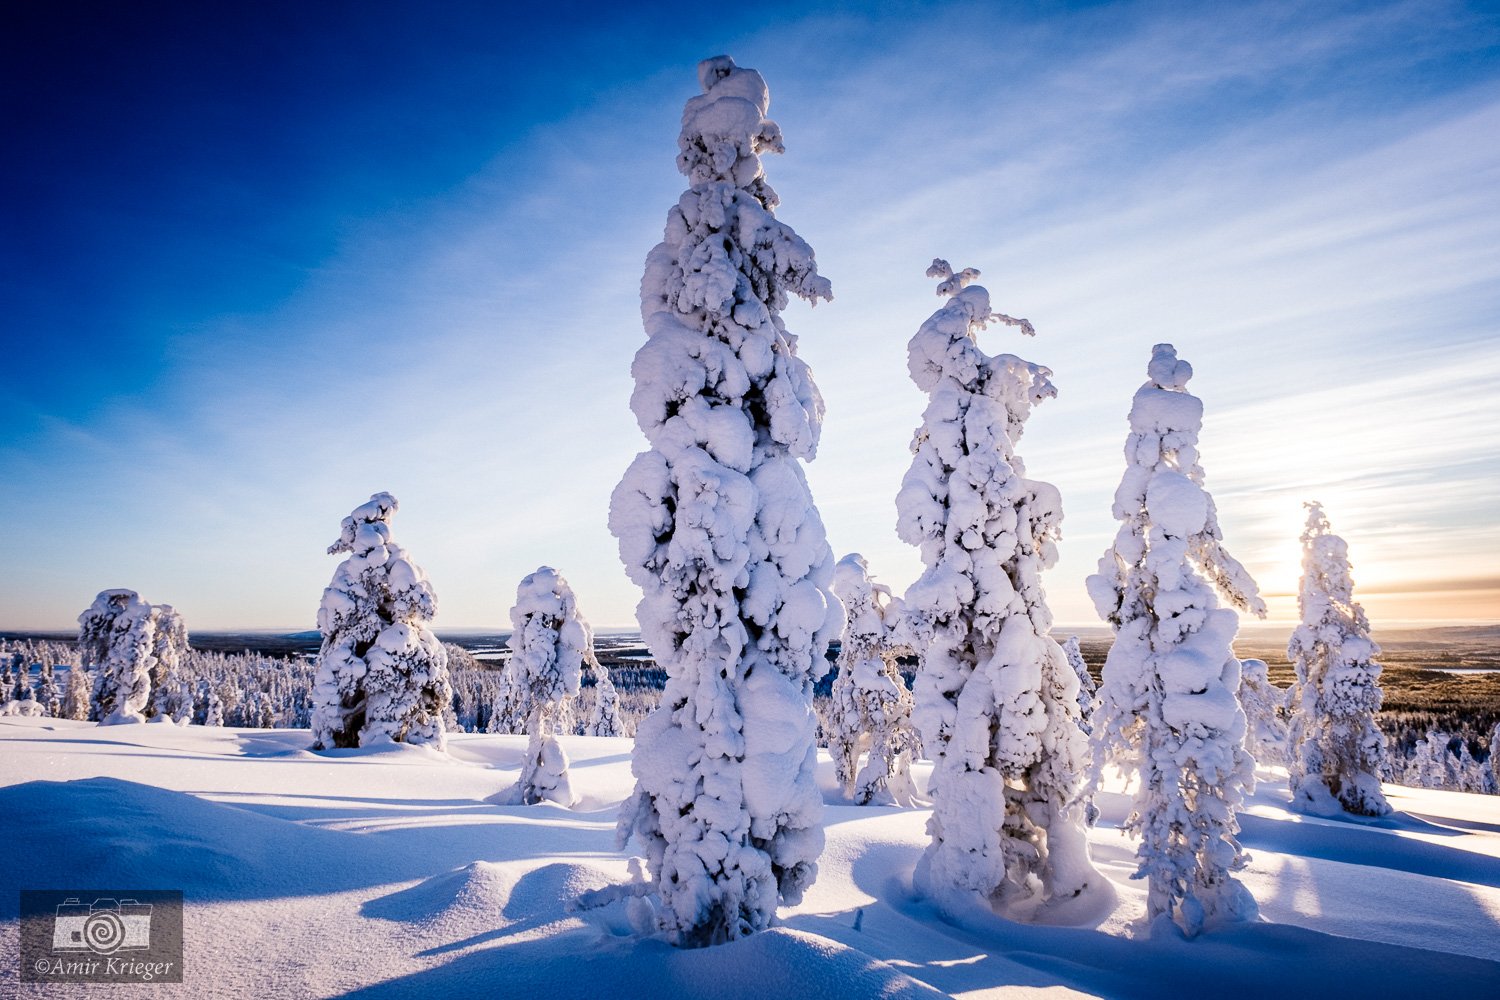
(475, 898)
(104, 831)
(776, 963)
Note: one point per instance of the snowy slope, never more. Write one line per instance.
(387, 874)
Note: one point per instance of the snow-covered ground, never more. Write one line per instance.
(388, 874)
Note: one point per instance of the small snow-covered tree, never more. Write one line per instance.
(1431, 765)
(605, 719)
(1168, 709)
(168, 644)
(717, 526)
(382, 674)
(1494, 760)
(23, 690)
(1337, 750)
(996, 701)
(871, 705)
(1086, 684)
(1263, 702)
(50, 693)
(77, 694)
(214, 712)
(129, 640)
(549, 643)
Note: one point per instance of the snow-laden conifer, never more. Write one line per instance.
(1494, 760)
(1337, 750)
(604, 719)
(550, 642)
(1263, 702)
(128, 641)
(1086, 683)
(996, 701)
(213, 710)
(717, 525)
(48, 694)
(382, 674)
(1168, 709)
(871, 707)
(78, 694)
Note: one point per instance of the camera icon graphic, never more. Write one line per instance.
(103, 927)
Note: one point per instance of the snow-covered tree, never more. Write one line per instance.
(1494, 760)
(1431, 765)
(214, 711)
(549, 642)
(871, 707)
(1263, 702)
(996, 701)
(717, 525)
(22, 691)
(168, 645)
(48, 694)
(1086, 684)
(1337, 750)
(605, 719)
(1168, 709)
(128, 640)
(382, 674)
(78, 694)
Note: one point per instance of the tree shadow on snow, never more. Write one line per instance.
(105, 831)
(1358, 844)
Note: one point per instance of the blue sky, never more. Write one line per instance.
(257, 264)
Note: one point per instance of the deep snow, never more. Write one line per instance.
(385, 873)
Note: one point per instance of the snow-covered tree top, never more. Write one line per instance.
(368, 527)
(112, 610)
(866, 614)
(546, 613)
(946, 348)
(402, 593)
(1163, 482)
(725, 129)
(715, 286)
(1326, 574)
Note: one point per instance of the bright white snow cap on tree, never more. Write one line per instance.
(1337, 750)
(715, 523)
(996, 700)
(1168, 708)
(382, 673)
(549, 642)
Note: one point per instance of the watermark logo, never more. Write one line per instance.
(103, 927)
(101, 936)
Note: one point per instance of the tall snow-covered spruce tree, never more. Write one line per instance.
(550, 642)
(130, 643)
(1337, 751)
(382, 674)
(996, 700)
(1167, 702)
(717, 526)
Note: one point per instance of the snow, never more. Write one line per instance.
(383, 872)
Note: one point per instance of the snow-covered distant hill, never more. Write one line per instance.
(387, 874)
